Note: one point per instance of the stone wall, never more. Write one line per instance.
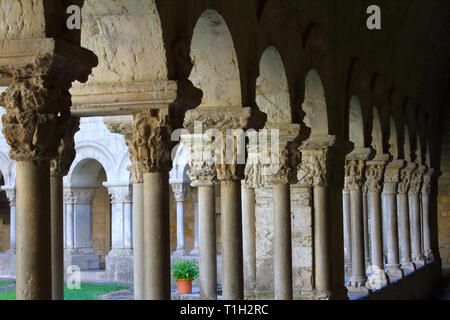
(444, 200)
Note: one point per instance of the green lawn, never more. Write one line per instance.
(5, 283)
(86, 292)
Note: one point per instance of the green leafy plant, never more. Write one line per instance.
(185, 269)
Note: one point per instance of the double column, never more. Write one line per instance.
(403, 218)
(414, 215)
(354, 175)
(179, 191)
(203, 177)
(150, 154)
(391, 179)
(37, 104)
(425, 192)
(374, 181)
(322, 168)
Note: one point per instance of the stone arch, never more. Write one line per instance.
(180, 167)
(96, 151)
(355, 123)
(393, 139)
(85, 172)
(5, 168)
(122, 173)
(272, 91)
(377, 134)
(215, 65)
(128, 39)
(314, 104)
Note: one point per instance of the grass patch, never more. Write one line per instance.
(87, 291)
(5, 283)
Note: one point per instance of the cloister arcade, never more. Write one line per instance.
(103, 181)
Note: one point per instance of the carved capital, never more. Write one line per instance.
(354, 174)
(83, 195)
(150, 142)
(202, 170)
(66, 151)
(220, 118)
(416, 180)
(374, 175)
(179, 191)
(10, 194)
(38, 101)
(426, 183)
(312, 171)
(405, 178)
(120, 194)
(254, 171)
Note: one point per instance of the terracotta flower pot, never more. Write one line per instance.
(184, 286)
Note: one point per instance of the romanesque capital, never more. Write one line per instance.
(416, 180)
(202, 170)
(150, 142)
(283, 156)
(405, 178)
(179, 191)
(119, 193)
(392, 176)
(254, 171)
(83, 195)
(374, 175)
(354, 174)
(38, 101)
(426, 183)
(66, 150)
(10, 194)
(322, 160)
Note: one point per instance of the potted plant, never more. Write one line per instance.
(184, 271)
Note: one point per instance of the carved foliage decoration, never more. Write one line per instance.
(312, 171)
(374, 177)
(354, 174)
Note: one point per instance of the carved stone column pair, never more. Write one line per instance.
(179, 191)
(426, 190)
(354, 180)
(37, 104)
(414, 215)
(150, 156)
(322, 169)
(280, 173)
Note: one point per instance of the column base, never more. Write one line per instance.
(394, 271)
(178, 254)
(419, 260)
(194, 252)
(322, 295)
(357, 285)
(408, 266)
(8, 264)
(378, 279)
(119, 265)
(85, 259)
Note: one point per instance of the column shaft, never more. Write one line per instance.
(180, 225)
(232, 268)
(57, 236)
(376, 232)
(347, 231)
(33, 256)
(207, 238)
(426, 225)
(156, 236)
(403, 230)
(138, 242)
(393, 262)
(282, 242)
(249, 237)
(12, 229)
(414, 215)
(322, 253)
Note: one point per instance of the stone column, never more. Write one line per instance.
(119, 261)
(179, 191)
(68, 221)
(59, 167)
(403, 218)
(150, 147)
(391, 179)
(11, 195)
(80, 252)
(354, 171)
(426, 188)
(414, 215)
(204, 178)
(194, 197)
(322, 169)
(279, 174)
(366, 227)
(37, 104)
(347, 231)
(374, 180)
